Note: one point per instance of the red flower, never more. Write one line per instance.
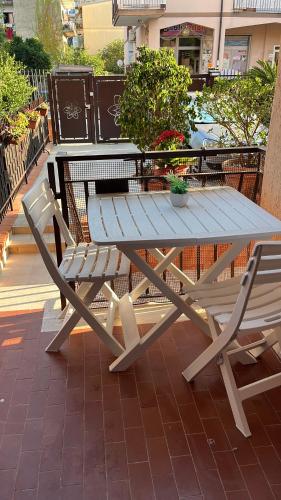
(167, 135)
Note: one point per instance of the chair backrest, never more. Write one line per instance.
(264, 267)
(40, 206)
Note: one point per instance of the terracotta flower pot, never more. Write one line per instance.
(43, 111)
(33, 124)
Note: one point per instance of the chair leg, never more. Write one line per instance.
(90, 290)
(234, 396)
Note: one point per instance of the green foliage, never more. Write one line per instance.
(242, 106)
(265, 71)
(81, 57)
(17, 126)
(110, 54)
(177, 184)
(49, 27)
(32, 115)
(155, 98)
(43, 105)
(30, 52)
(15, 90)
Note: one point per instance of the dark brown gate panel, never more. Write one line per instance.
(108, 90)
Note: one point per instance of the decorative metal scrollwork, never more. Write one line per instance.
(114, 109)
(72, 111)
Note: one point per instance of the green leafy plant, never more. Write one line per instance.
(177, 184)
(80, 57)
(43, 105)
(15, 90)
(155, 98)
(17, 126)
(30, 52)
(49, 27)
(112, 53)
(32, 115)
(242, 106)
(265, 71)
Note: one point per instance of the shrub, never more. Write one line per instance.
(32, 115)
(15, 90)
(112, 53)
(30, 52)
(155, 98)
(81, 57)
(17, 126)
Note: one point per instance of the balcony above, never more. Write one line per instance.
(131, 12)
(259, 6)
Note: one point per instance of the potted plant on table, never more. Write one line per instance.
(33, 118)
(178, 190)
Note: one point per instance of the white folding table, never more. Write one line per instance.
(148, 221)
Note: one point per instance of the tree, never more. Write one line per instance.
(265, 71)
(30, 52)
(112, 53)
(49, 27)
(15, 90)
(82, 58)
(155, 98)
(242, 106)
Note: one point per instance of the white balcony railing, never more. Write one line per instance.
(266, 6)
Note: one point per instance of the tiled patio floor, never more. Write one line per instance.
(70, 430)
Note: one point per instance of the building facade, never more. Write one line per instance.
(229, 34)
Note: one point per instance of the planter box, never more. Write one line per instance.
(42, 111)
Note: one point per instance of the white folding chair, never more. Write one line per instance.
(86, 264)
(243, 306)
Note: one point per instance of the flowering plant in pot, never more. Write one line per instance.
(33, 118)
(169, 140)
(178, 190)
(43, 108)
(16, 129)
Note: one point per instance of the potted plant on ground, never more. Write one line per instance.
(33, 118)
(16, 130)
(169, 140)
(178, 190)
(43, 108)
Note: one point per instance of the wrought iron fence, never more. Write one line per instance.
(16, 160)
(38, 78)
(266, 6)
(82, 176)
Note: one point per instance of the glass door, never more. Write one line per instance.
(189, 49)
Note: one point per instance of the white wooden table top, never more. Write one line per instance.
(148, 220)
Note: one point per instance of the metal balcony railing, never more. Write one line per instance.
(132, 5)
(266, 6)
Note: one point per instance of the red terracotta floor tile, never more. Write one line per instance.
(16, 419)
(26, 495)
(113, 426)
(72, 471)
(270, 463)
(7, 482)
(165, 488)
(131, 412)
(116, 461)
(229, 471)
(176, 439)
(136, 445)
(152, 422)
(205, 405)
(49, 485)
(119, 490)
(159, 458)
(276, 491)
(141, 481)
(211, 485)
(127, 385)
(168, 407)
(190, 418)
(27, 476)
(256, 482)
(201, 451)
(9, 451)
(185, 475)
(147, 395)
(216, 435)
(238, 495)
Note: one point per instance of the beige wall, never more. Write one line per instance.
(262, 40)
(271, 188)
(24, 12)
(98, 29)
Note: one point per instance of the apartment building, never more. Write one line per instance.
(230, 34)
(98, 30)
